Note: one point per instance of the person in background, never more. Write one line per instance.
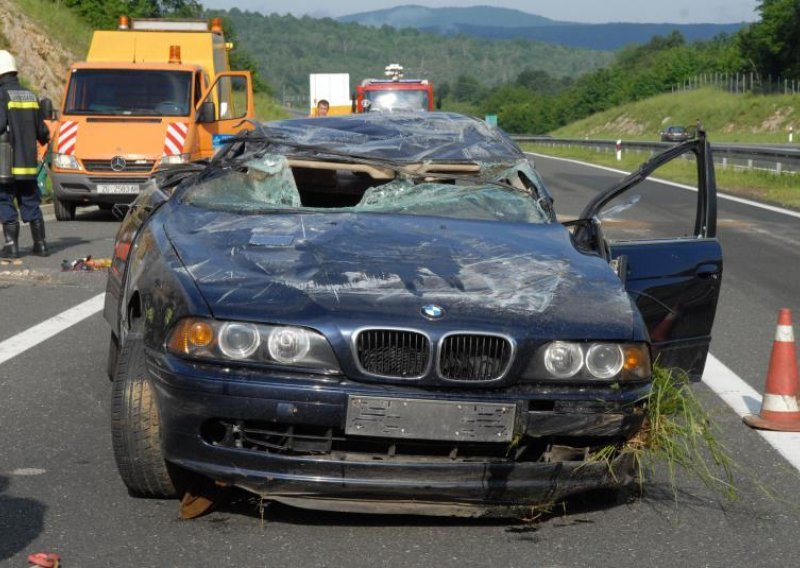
(323, 107)
(21, 120)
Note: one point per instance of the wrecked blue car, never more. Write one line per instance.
(382, 313)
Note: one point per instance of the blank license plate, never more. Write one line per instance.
(117, 188)
(386, 417)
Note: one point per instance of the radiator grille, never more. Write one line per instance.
(393, 353)
(474, 357)
(131, 166)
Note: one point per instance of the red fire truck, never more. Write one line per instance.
(394, 93)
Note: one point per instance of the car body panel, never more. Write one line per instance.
(283, 432)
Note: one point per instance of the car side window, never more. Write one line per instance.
(656, 207)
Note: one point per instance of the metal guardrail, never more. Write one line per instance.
(763, 157)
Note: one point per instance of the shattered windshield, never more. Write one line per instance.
(268, 184)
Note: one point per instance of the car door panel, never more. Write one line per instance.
(675, 285)
(674, 282)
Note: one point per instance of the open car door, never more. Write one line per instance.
(224, 110)
(672, 272)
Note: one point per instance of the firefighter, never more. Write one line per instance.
(21, 119)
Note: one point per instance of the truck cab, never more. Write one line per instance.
(394, 94)
(151, 94)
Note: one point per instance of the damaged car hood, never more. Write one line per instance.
(302, 268)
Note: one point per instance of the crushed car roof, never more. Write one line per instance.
(396, 137)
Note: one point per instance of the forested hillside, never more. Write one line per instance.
(286, 49)
(638, 72)
(766, 52)
(494, 23)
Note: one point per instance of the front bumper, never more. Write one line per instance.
(546, 462)
(82, 188)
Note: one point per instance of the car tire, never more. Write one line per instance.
(135, 426)
(65, 210)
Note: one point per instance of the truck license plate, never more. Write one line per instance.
(387, 417)
(117, 188)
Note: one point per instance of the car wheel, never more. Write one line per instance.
(135, 426)
(65, 210)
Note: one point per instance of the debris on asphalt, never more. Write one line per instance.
(44, 560)
(86, 264)
(15, 262)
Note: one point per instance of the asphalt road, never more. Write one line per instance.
(59, 491)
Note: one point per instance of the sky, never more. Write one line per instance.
(593, 11)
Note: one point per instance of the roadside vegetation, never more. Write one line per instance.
(61, 23)
(287, 49)
(535, 103)
(780, 189)
(727, 117)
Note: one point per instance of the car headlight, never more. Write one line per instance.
(238, 340)
(174, 160)
(66, 162)
(563, 360)
(250, 343)
(289, 344)
(589, 361)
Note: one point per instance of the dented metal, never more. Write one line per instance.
(359, 223)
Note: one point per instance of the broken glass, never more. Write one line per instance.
(264, 182)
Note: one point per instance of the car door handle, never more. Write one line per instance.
(707, 271)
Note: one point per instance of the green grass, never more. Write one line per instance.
(60, 23)
(726, 117)
(781, 189)
(267, 108)
(678, 434)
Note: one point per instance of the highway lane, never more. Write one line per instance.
(59, 490)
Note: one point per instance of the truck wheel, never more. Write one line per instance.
(65, 210)
(135, 426)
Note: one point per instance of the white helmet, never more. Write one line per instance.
(7, 63)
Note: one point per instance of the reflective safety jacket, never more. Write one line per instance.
(19, 113)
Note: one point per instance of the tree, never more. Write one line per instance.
(772, 45)
(103, 14)
(467, 89)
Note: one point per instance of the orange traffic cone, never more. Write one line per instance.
(779, 407)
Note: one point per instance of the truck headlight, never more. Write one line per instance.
(66, 162)
(174, 160)
(292, 346)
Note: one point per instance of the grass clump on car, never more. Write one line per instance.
(678, 432)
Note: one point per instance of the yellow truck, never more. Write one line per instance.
(150, 94)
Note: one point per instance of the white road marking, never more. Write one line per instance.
(35, 335)
(744, 399)
(724, 196)
(26, 471)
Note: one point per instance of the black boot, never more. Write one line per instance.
(37, 232)
(11, 244)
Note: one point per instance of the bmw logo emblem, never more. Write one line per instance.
(432, 311)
